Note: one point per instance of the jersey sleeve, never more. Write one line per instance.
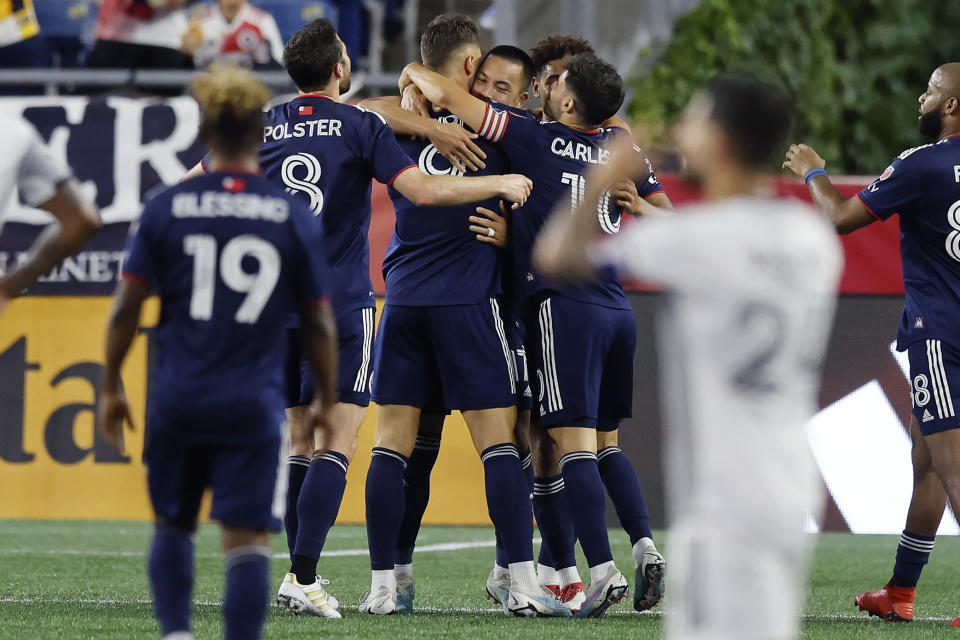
(309, 263)
(205, 162)
(515, 134)
(899, 187)
(386, 157)
(648, 185)
(140, 263)
(40, 174)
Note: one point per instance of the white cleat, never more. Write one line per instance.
(498, 588)
(381, 603)
(535, 604)
(330, 597)
(310, 599)
(609, 591)
(648, 589)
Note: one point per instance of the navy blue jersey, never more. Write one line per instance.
(326, 153)
(231, 256)
(433, 258)
(556, 158)
(923, 186)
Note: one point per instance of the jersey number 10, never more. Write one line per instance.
(258, 286)
(578, 186)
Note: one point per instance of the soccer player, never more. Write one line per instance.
(754, 288)
(232, 256)
(922, 185)
(326, 154)
(45, 183)
(441, 342)
(584, 377)
(451, 44)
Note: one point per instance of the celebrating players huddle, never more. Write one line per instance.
(499, 304)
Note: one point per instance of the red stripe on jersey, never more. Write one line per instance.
(132, 277)
(502, 128)
(867, 207)
(397, 174)
(320, 301)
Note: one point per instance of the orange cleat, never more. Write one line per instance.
(893, 604)
(572, 596)
(554, 589)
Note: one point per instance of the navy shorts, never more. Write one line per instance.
(521, 368)
(583, 357)
(249, 489)
(355, 330)
(934, 374)
(459, 349)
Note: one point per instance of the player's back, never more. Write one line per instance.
(228, 254)
(325, 154)
(433, 258)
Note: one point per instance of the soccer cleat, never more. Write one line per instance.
(892, 603)
(649, 580)
(310, 599)
(405, 593)
(572, 596)
(381, 603)
(540, 603)
(498, 588)
(553, 588)
(601, 596)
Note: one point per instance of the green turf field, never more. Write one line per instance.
(62, 580)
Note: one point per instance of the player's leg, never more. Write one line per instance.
(416, 485)
(894, 602)
(177, 475)
(301, 437)
(403, 380)
(618, 475)
(326, 477)
(570, 368)
(475, 358)
(246, 554)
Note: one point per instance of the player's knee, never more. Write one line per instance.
(181, 524)
(234, 538)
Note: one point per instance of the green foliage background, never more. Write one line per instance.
(854, 68)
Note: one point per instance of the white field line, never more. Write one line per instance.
(433, 610)
(335, 553)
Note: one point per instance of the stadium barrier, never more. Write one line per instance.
(52, 465)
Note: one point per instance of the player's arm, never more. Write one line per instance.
(629, 199)
(320, 342)
(454, 142)
(846, 214)
(77, 221)
(487, 220)
(435, 191)
(114, 411)
(563, 247)
(196, 171)
(445, 93)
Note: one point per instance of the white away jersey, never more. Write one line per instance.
(754, 283)
(251, 39)
(28, 165)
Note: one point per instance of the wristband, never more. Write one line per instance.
(813, 173)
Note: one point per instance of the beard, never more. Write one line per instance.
(931, 123)
(345, 83)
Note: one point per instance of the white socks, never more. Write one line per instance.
(499, 572)
(548, 575)
(403, 570)
(642, 545)
(569, 575)
(599, 572)
(523, 577)
(386, 578)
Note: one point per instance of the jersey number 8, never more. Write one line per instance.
(308, 184)
(258, 286)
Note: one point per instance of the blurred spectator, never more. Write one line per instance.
(19, 45)
(66, 28)
(140, 34)
(234, 32)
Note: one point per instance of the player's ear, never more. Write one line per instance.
(469, 66)
(522, 98)
(952, 105)
(339, 70)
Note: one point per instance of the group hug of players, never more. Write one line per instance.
(463, 316)
(248, 275)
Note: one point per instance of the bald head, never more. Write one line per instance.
(940, 103)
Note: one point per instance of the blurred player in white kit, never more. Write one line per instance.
(752, 281)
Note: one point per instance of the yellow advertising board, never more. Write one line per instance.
(53, 464)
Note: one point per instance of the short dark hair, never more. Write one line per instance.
(755, 116)
(445, 34)
(596, 85)
(555, 47)
(311, 54)
(515, 55)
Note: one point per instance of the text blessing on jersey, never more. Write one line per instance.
(556, 158)
(923, 186)
(433, 258)
(232, 256)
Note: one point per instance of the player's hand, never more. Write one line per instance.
(516, 189)
(412, 99)
(487, 220)
(457, 145)
(114, 413)
(801, 158)
(626, 196)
